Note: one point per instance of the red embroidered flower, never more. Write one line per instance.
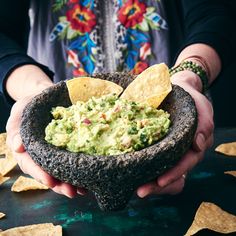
(79, 72)
(132, 13)
(72, 1)
(139, 67)
(81, 18)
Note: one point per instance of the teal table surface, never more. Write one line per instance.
(154, 215)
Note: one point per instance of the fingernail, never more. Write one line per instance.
(163, 182)
(141, 193)
(200, 141)
(81, 191)
(67, 194)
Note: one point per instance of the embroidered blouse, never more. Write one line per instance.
(89, 36)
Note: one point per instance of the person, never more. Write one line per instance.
(73, 38)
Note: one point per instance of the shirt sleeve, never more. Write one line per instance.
(14, 27)
(210, 22)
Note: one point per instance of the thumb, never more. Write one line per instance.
(17, 144)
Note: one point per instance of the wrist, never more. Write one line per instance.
(26, 80)
(187, 78)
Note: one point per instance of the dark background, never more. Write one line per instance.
(222, 91)
(4, 114)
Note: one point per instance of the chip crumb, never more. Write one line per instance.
(3, 137)
(3, 179)
(26, 183)
(45, 229)
(228, 149)
(232, 172)
(210, 216)
(2, 215)
(8, 163)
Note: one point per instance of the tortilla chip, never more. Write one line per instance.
(3, 179)
(227, 149)
(83, 88)
(2, 215)
(8, 163)
(232, 172)
(25, 183)
(210, 216)
(46, 229)
(3, 137)
(151, 86)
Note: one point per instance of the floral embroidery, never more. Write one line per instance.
(138, 19)
(78, 26)
(133, 22)
(139, 67)
(81, 19)
(132, 13)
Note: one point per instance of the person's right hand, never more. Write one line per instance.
(27, 165)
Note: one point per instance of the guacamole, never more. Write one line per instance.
(107, 125)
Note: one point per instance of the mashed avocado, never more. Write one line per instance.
(106, 126)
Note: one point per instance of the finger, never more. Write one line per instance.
(13, 127)
(174, 188)
(147, 189)
(65, 189)
(205, 116)
(28, 166)
(186, 163)
(153, 188)
(205, 120)
(205, 126)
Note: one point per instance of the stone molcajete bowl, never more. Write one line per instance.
(112, 179)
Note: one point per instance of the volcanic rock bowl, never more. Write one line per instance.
(112, 179)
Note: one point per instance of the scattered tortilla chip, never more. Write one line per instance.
(26, 183)
(227, 149)
(210, 216)
(3, 179)
(8, 163)
(2, 215)
(47, 229)
(151, 86)
(232, 172)
(83, 88)
(3, 137)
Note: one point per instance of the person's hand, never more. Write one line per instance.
(27, 165)
(172, 181)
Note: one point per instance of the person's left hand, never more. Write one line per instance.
(25, 162)
(172, 181)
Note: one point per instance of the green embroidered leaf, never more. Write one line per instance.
(71, 33)
(92, 58)
(143, 25)
(63, 34)
(63, 19)
(153, 25)
(149, 10)
(58, 4)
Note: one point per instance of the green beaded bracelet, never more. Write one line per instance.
(195, 68)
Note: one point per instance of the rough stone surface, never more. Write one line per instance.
(112, 179)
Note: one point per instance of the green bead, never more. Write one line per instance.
(195, 68)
